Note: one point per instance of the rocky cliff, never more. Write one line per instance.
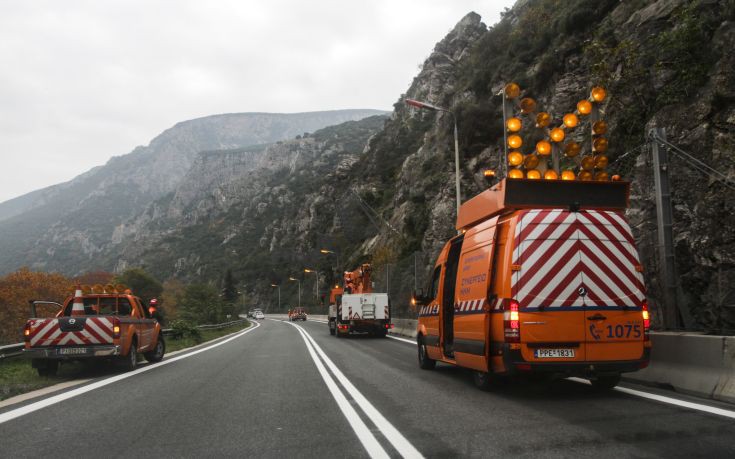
(65, 227)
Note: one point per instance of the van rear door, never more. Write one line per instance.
(547, 283)
(615, 287)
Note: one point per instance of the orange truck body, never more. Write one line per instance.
(543, 277)
(112, 326)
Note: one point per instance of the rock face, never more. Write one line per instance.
(383, 189)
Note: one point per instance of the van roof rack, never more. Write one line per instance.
(514, 194)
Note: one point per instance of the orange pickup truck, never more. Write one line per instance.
(95, 323)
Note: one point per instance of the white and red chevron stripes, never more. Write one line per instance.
(560, 252)
(469, 306)
(47, 332)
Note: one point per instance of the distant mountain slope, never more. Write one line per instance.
(80, 216)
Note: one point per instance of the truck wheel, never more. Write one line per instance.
(425, 363)
(156, 355)
(482, 380)
(331, 331)
(605, 382)
(48, 368)
(381, 332)
(130, 361)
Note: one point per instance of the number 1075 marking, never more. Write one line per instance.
(623, 331)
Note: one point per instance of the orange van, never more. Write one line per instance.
(544, 277)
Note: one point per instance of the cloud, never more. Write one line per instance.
(86, 80)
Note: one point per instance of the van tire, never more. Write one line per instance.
(425, 363)
(605, 382)
(156, 355)
(482, 380)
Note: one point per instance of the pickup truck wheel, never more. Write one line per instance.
(425, 363)
(131, 360)
(605, 382)
(156, 355)
(48, 368)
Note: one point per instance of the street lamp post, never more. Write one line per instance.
(279, 296)
(339, 263)
(292, 279)
(316, 285)
(419, 104)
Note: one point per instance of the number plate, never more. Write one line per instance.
(71, 351)
(554, 353)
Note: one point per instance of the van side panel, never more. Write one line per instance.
(471, 319)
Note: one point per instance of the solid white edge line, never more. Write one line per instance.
(668, 400)
(402, 339)
(30, 408)
(399, 442)
(648, 395)
(362, 431)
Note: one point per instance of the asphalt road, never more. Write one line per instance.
(263, 394)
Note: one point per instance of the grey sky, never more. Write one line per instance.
(82, 81)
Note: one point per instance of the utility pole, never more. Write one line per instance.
(664, 219)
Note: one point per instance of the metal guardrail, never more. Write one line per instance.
(15, 350)
(11, 350)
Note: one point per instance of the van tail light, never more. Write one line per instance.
(115, 328)
(512, 322)
(646, 321)
(27, 332)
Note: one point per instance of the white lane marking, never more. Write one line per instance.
(402, 339)
(668, 400)
(366, 437)
(22, 411)
(648, 395)
(42, 391)
(399, 442)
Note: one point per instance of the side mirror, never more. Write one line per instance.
(418, 299)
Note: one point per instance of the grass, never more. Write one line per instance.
(18, 377)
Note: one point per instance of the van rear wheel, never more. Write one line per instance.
(425, 363)
(605, 382)
(482, 380)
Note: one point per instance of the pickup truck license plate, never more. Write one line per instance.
(71, 351)
(554, 353)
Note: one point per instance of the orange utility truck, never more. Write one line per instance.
(99, 322)
(356, 308)
(543, 277)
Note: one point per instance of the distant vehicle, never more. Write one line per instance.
(258, 315)
(99, 322)
(297, 314)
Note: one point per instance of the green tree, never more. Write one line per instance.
(229, 291)
(202, 304)
(141, 283)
